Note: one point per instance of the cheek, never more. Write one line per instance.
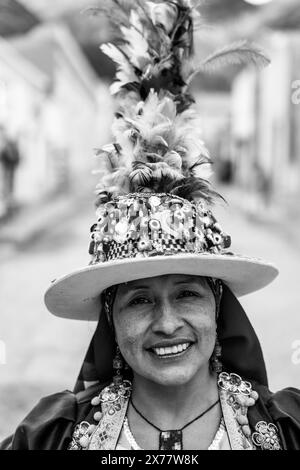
(129, 332)
(203, 317)
(207, 332)
(205, 326)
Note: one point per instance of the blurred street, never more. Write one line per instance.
(44, 353)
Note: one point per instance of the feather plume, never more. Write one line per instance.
(158, 145)
(239, 53)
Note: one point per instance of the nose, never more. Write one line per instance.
(166, 320)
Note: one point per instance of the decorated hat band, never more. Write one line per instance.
(145, 225)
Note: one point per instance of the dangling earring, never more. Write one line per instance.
(113, 395)
(118, 365)
(216, 364)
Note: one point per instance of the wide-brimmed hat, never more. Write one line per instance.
(154, 200)
(142, 236)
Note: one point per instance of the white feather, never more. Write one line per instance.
(115, 54)
(135, 21)
(123, 77)
(125, 73)
(137, 46)
(116, 87)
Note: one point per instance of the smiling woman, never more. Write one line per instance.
(174, 362)
(166, 327)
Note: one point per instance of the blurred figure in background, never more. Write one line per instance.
(9, 162)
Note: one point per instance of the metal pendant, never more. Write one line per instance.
(170, 440)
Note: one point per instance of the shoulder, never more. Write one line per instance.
(286, 404)
(50, 424)
(281, 404)
(46, 426)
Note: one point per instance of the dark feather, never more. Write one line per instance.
(160, 185)
(102, 198)
(192, 188)
(201, 161)
(182, 36)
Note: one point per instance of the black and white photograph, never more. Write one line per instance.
(149, 227)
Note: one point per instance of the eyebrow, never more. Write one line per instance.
(187, 281)
(131, 289)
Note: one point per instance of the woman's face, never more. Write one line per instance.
(165, 327)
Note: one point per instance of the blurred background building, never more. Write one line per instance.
(265, 120)
(51, 98)
(55, 109)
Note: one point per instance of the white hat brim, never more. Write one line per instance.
(77, 295)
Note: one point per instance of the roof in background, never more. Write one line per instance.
(232, 19)
(91, 32)
(213, 9)
(55, 8)
(40, 45)
(286, 15)
(22, 66)
(15, 18)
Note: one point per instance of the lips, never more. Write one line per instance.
(168, 349)
(171, 349)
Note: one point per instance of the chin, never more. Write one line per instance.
(172, 378)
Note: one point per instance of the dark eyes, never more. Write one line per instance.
(139, 301)
(188, 293)
(145, 300)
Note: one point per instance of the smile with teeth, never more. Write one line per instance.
(171, 350)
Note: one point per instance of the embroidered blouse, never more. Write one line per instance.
(68, 421)
(111, 432)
